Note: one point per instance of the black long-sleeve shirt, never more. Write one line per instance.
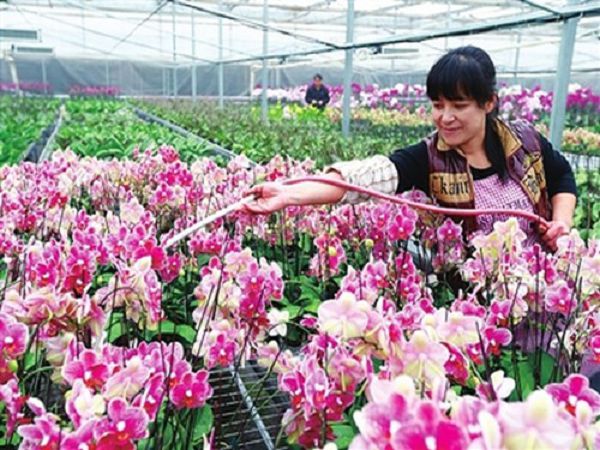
(317, 97)
(412, 164)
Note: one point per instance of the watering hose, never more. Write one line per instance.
(207, 220)
(456, 212)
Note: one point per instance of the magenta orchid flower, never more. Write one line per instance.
(457, 365)
(153, 396)
(13, 337)
(561, 299)
(124, 425)
(494, 339)
(429, 430)
(594, 346)
(89, 367)
(192, 391)
(81, 438)
(43, 434)
(403, 224)
(221, 352)
(573, 390)
(317, 389)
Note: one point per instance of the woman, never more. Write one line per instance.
(474, 160)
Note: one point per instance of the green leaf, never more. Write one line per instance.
(203, 423)
(546, 367)
(186, 333)
(344, 435)
(524, 372)
(293, 310)
(377, 364)
(311, 305)
(115, 329)
(29, 361)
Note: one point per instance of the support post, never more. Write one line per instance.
(44, 77)
(194, 88)
(265, 70)
(561, 85)
(517, 56)
(348, 71)
(448, 9)
(220, 67)
(173, 11)
(83, 28)
(14, 75)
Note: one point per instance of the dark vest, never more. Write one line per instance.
(451, 181)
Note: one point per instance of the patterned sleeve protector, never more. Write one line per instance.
(377, 172)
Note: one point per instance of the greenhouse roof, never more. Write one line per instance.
(401, 35)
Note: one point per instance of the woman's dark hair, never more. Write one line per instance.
(469, 73)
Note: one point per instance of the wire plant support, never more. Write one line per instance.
(41, 150)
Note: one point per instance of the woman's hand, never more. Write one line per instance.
(563, 208)
(269, 197)
(554, 230)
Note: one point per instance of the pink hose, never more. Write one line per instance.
(457, 212)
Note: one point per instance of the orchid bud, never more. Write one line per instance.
(13, 365)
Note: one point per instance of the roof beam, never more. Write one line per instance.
(112, 37)
(104, 13)
(537, 5)
(539, 18)
(258, 25)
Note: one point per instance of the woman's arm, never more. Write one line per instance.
(403, 170)
(559, 175)
(271, 197)
(562, 191)
(377, 172)
(563, 209)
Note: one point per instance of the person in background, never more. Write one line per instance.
(474, 160)
(317, 94)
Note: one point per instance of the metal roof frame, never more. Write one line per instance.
(591, 9)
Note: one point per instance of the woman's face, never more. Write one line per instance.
(460, 121)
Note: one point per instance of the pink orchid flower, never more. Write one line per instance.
(89, 367)
(345, 317)
(429, 430)
(561, 299)
(574, 389)
(124, 425)
(128, 381)
(192, 391)
(43, 434)
(13, 337)
(424, 358)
